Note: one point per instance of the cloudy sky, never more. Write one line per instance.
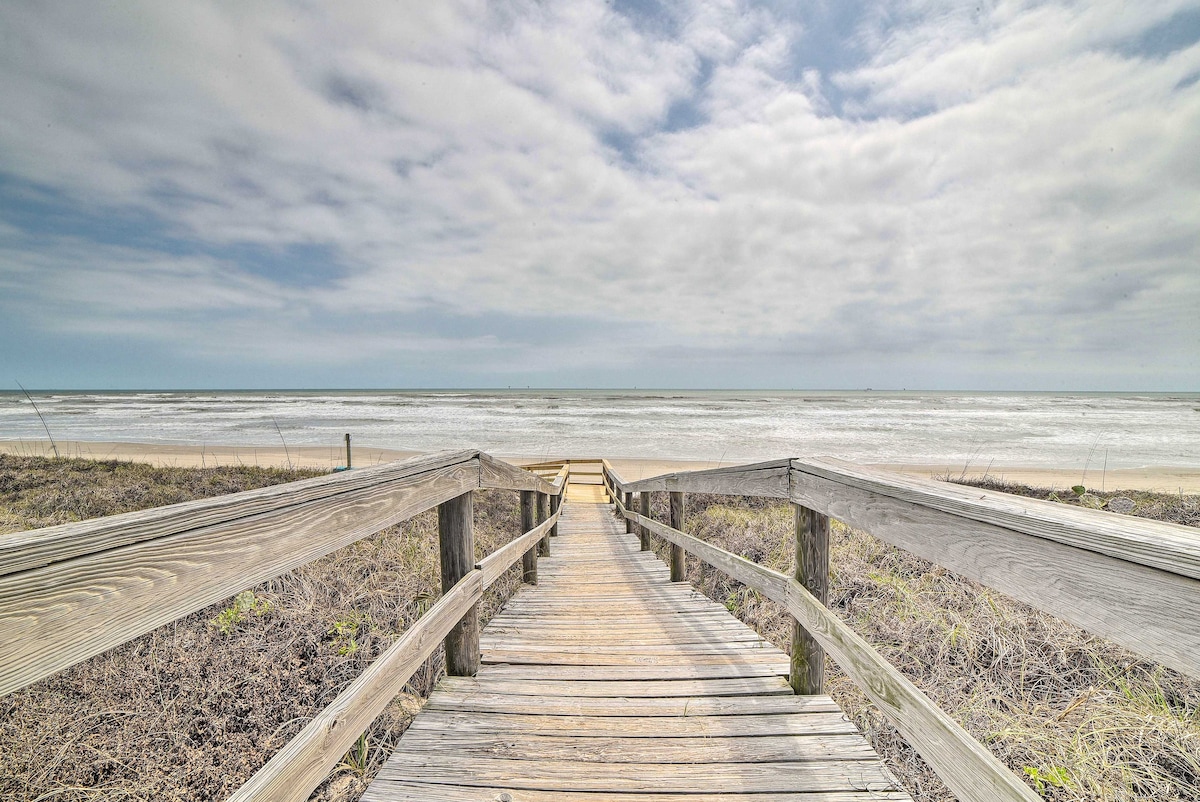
(824, 194)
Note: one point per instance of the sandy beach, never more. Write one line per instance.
(1165, 479)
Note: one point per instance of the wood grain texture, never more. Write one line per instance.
(529, 566)
(812, 571)
(967, 767)
(678, 515)
(409, 790)
(1148, 610)
(681, 778)
(456, 550)
(1169, 547)
(544, 543)
(555, 501)
(55, 616)
(644, 532)
(23, 551)
(499, 474)
(760, 479)
(305, 762)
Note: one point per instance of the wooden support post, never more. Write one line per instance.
(678, 566)
(629, 506)
(529, 558)
(645, 533)
(555, 500)
(456, 545)
(812, 571)
(347, 450)
(544, 543)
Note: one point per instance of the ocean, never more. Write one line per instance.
(1060, 430)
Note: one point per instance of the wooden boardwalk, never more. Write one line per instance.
(608, 682)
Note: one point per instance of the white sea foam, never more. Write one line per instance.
(1031, 429)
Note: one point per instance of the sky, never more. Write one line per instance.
(917, 193)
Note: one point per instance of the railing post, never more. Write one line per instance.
(544, 543)
(529, 558)
(555, 500)
(812, 571)
(678, 566)
(643, 531)
(456, 546)
(629, 506)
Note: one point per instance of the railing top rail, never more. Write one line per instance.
(69, 592)
(1167, 546)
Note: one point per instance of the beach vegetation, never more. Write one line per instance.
(192, 709)
(1079, 717)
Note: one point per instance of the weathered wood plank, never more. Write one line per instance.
(57, 615)
(812, 571)
(831, 722)
(751, 686)
(456, 549)
(529, 558)
(396, 790)
(534, 746)
(689, 671)
(768, 479)
(308, 758)
(565, 775)
(1170, 547)
(678, 515)
(24, 551)
(645, 707)
(531, 657)
(1150, 611)
(498, 474)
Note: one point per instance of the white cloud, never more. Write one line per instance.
(1002, 182)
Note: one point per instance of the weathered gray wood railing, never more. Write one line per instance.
(1129, 579)
(70, 592)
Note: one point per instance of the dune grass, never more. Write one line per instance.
(191, 710)
(1077, 716)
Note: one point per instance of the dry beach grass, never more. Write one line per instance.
(190, 710)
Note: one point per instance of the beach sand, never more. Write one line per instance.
(1165, 479)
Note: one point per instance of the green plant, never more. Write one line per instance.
(1055, 776)
(243, 605)
(356, 760)
(345, 631)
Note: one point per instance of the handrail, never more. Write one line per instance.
(70, 592)
(1072, 563)
(968, 769)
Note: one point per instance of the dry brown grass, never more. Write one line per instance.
(191, 710)
(1077, 716)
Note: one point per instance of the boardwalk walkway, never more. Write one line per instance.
(608, 682)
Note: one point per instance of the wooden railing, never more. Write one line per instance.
(1128, 579)
(70, 592)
